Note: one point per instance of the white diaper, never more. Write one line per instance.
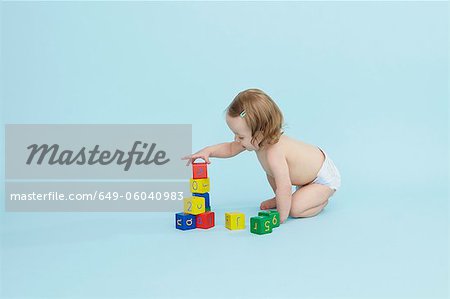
(328, 174)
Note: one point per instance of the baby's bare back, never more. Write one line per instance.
(304, 160)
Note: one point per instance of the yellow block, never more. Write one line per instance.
(234, 220)
(194, 205)
(200, 185)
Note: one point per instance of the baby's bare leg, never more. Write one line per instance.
(310, 200)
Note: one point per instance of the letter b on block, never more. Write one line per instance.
(200, 185)
(194, 205)
(199, 170)
(234, 220)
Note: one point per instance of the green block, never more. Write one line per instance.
(208, 209)
(273, 215)
(260, 225)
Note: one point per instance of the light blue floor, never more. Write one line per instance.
(357, 248)
(368, 81)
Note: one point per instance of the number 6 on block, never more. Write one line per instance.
(273, 215)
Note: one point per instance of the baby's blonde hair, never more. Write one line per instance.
(260, 113)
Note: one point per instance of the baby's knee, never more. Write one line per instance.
(308, 213)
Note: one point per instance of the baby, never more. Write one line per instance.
(256, 122)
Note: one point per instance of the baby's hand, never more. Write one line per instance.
(203, 154)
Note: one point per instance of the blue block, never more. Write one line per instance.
(184, 221)
(206, 196)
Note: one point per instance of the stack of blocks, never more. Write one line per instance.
(264, 222)
(197, 209)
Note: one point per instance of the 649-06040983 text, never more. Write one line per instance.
(98, 195)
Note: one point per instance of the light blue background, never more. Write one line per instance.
(366, 81)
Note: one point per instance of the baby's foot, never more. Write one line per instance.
(268, 204)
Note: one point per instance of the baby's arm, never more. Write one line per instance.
(222, 150)
(225, 150)
(280, 171)
(272, 183)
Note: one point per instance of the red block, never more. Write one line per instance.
(205, 220)
(199, 170)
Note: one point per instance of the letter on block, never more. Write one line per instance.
(206, 197)
(260, 225)
(273, 215)
(184, 221)
(200, 185)
(199, 170)
(194, 205)
(234, 220)
(205, 220)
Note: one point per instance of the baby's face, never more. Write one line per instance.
(242, 132)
